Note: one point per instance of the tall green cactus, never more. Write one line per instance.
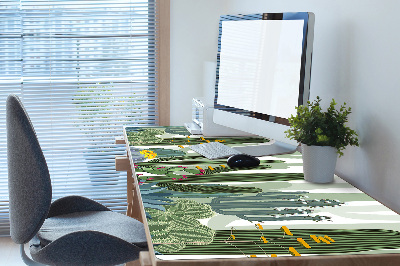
(272, 206)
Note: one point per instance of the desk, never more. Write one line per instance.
(201, 211)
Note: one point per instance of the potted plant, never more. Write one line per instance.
(323, 135)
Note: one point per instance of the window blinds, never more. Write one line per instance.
(83, 69)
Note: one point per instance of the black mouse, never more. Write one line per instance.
(242, 160)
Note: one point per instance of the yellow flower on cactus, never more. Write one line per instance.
(148, 154)
(315, 238)
(286, 230)
(264, 239)
(294, 252)
(303, 243)
(324, 240)
(329, 239)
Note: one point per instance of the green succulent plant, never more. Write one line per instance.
(312, 126)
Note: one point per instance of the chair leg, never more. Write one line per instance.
(26, 259)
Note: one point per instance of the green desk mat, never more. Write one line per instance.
(198, 208)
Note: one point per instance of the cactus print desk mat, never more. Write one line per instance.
(200, 208)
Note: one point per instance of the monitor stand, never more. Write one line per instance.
(271, 148)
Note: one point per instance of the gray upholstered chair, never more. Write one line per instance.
(70, 231)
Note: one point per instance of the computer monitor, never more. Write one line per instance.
(263, 73)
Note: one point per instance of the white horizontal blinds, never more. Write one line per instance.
(10, 82)
(88, 67)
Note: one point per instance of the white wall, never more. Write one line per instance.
(194, 41)
(356, 60)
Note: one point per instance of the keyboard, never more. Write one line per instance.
(214, 150)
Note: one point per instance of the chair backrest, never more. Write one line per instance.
(29, 183)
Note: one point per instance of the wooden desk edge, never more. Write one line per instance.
(150, 254)
(120, 140)
(346, 260)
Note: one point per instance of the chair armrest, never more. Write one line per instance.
(72, 204)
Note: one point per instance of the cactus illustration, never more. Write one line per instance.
(209, 189)
(145, 136)
(248, 242)
(272, 206)
(148, 136)
(177, 226)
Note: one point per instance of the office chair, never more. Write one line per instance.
(70, 231)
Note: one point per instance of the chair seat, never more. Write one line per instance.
(107, 222)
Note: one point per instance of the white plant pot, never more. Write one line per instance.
(319, 163)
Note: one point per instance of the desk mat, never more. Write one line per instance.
(201, 208)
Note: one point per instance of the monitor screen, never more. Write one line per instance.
(263, 71)
(260, 63)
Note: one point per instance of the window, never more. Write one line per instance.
(83, 69)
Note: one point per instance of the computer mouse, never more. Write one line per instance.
(242, 160)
